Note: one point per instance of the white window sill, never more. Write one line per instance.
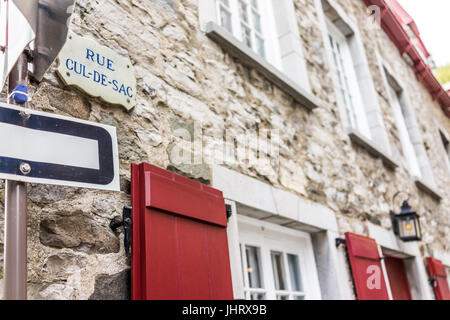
(358, 139)
(424, 186)
(371, 147)
(249, 58)
(272, 204)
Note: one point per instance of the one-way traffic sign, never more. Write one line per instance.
(40, 147)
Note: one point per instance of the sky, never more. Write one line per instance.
(433, 20)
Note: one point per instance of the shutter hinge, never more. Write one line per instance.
(433, 281)
(340, 241)
(126, 224)
(228, 210)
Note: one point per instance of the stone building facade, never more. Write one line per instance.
(196, 94)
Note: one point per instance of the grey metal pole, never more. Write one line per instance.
(15, 247)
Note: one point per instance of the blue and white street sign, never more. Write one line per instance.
(98, 71)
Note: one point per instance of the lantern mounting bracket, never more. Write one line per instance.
(394, 222)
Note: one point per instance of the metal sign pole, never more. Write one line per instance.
(15, 250)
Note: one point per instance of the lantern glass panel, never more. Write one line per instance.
(408, 226)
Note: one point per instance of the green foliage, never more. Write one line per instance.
(443, 74)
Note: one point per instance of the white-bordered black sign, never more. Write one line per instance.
(46, 148)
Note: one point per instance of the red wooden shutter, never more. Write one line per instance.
(437, 272)
(179, 243)
(366, 267)
(398, 280)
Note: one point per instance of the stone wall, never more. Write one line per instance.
(73, 254)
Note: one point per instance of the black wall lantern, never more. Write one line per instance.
(406, 224)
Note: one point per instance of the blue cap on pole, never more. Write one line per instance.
(20, 94)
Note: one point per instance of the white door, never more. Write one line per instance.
(277, 262)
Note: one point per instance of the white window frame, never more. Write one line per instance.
(377, 142)
(409, 154)
(426, 180)
(284, 50)
(272, 54)
(356, 108)
(276, 206)
(269, 237)
(222, 5)
(267, 33)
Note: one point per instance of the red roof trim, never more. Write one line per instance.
(399, 37)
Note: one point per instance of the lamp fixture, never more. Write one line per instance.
(406, 224)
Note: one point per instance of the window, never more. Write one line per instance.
(405, 139)
(286, 275)
(225, 14)
(349, 95)
(356, 96)
(274, 262)
(412, 146)
(263, 35)
(251, 22)
(251, 262)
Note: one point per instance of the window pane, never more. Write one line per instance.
(257, 22)
(246, 36)
(242, 260)
(279, 297)
(260, 47)
(278, 270)
(257, 296)
(255, 4)
(342, 76)
(253, 267)
(338, 48)
(294, 272)
(299, 298)
(243, 11)
(407, 227)
(225, 20)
